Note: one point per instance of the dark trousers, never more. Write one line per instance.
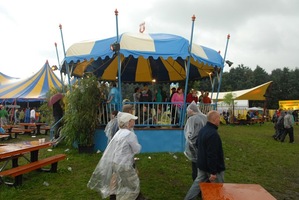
(289, 131)
(194, 170)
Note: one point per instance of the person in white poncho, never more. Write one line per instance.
(194, 123)
(117, 164)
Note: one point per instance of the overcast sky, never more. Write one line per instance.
(263, 32)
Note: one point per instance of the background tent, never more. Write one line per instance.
(144, 57)
(33, 88)
(256, 93)
(4, 79)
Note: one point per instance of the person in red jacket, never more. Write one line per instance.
(192, 96)
(206, 99)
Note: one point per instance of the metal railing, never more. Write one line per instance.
(153, 114)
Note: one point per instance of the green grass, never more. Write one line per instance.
(251, 156)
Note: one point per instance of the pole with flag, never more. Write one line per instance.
(61, 78)
(221, 72)
(182, 117)
(66, 64)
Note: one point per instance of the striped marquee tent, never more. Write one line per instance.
(144, 57)
(33, 88)
(4, 79)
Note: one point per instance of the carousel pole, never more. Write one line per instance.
(187, 74)
(118, 60)
(221, 72)
(212, 80)
(61, 78)
(66, 64)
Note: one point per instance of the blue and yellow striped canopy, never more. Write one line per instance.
(31, 89)
(4, 79)
(143, 57)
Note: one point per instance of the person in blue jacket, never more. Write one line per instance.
(210, 160)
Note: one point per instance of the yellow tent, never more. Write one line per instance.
(256, 93)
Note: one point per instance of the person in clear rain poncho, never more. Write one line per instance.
(196, 120)
(115, 174)
(112, 126)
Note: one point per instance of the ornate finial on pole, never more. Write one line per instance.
(193, 18)
(142, 27)
(116, 12)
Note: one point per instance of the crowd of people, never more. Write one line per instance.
(284, 124)
(18, 115)
(116, 174)
(147, 103)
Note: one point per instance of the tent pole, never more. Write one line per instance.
(182, 118)
(118, 62)
(221, 72)
(212, 79)
(67, 66)
(61, 78)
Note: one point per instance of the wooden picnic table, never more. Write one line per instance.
(10, 150)
(13, 151)
(33, 126)
(12, 130)
(234, 191)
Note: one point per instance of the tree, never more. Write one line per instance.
(260, 76)
(238, 79)
(229, 100)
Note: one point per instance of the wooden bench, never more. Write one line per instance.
(17, 172)
(45, 128)
(28, 130)
(4, 136)
(16, 132)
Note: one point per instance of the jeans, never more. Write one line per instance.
(202, 176)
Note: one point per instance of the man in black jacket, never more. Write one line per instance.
(210, 161)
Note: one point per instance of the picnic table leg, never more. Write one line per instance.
(18, 180)
(15, 162)
(33, 156)
(37, 129)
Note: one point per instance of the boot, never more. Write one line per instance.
(112, 197)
